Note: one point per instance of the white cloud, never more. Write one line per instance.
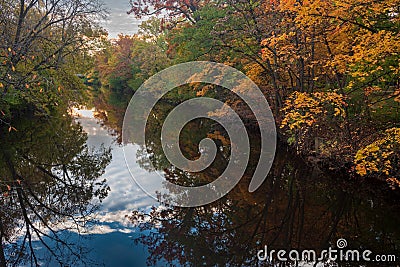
(118, 20)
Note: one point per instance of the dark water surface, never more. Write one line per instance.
(297, 207)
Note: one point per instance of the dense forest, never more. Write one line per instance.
(329, 69)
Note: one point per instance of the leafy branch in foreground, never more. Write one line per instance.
(43, 46)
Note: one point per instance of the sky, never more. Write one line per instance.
(118, 21)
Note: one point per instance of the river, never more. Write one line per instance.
(298, 207)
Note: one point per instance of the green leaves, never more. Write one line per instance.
(43, 51)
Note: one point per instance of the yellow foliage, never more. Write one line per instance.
(356, 38)
(218, 136)
(393, 182)
(379, 156)
(204, 89)
(304, 109)
(254, 72)
(397, 95)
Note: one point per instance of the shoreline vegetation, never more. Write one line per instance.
(329, 69)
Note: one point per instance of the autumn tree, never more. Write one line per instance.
(349, 48)
(43, 46)
(328, 68)
(185, 9)
(114, 63)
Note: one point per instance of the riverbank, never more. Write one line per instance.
(338, 145)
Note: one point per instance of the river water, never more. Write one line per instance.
(109, 240)
(298, 207)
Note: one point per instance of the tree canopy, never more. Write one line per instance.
(329, 69)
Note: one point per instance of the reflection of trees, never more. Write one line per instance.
(152, 156)
(296, 208)
(110, 110)
(48, 181)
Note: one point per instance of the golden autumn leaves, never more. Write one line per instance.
(340, 61)
(380, 157)
(304, 109)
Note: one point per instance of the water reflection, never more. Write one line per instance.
(49, 182)
(298, 207)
